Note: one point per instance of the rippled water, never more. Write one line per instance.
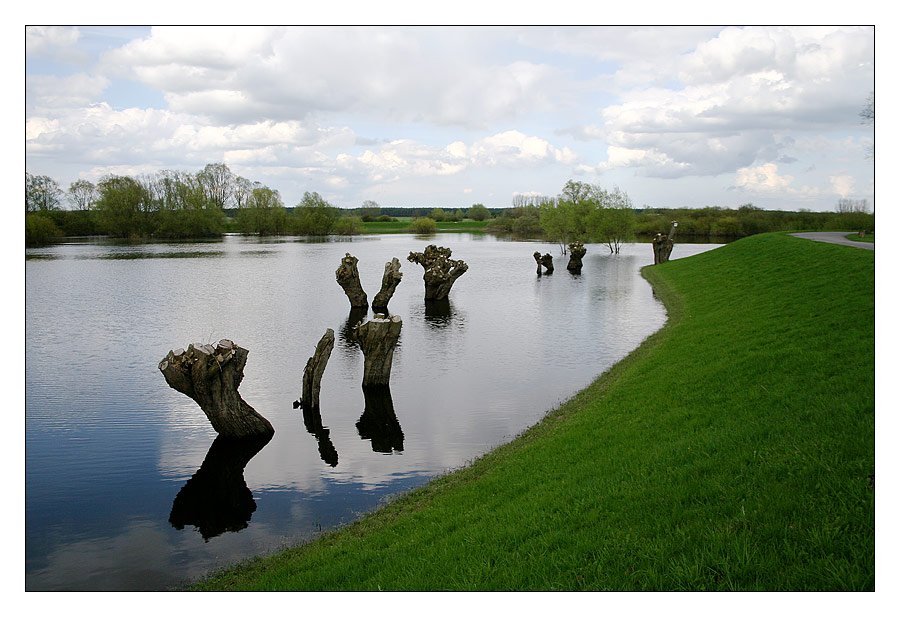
(110, 447)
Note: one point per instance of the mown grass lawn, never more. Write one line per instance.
(734, 450)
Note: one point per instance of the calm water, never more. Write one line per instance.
(110, 502)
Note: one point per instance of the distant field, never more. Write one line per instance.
(402, 226)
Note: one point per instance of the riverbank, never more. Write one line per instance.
(733, 450)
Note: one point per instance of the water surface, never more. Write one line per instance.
(127, 487)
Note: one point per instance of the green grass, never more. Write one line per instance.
(731, 451)
(402, 226)
(869, 237)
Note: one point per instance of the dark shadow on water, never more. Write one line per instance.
(312, 420)
(439, 313)
(216, 498)
(379, 422)
(347, 332)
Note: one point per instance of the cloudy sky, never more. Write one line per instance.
(450, 116)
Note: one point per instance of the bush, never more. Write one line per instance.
(423, 225)
(347, 226)
(40, 230)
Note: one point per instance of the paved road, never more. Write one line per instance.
(835, 237)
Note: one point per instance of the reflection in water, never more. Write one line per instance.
(379, 422)
(348, 336)
(439, 313)
(148, 255)
(312, 420)
(216, 498)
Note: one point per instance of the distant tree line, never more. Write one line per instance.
(589, 213)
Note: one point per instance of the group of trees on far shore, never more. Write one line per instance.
(178, 204)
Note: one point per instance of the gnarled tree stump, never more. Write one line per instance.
(377, 339)
(389, 282)
(662, 248)
(379, 422)
(211, 376)
(216, 498)
(440, 271)
(315, 366)
(576, 253)
(546, 261)
(347, 276)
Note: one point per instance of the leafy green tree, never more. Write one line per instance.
(82, 194)
(263, 212)
(218, 184)
(612, 221)
(438, 215)
(370, 210)
(40, 229)
(347, 226)
(478, 213)
(314, 216)
(124, 207)
(42, 193)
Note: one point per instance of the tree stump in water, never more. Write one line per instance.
(347, 276)
(377, 339)
(440, 271)
(378, 422)
(211, 376)
(576, 253)
(662, 248)
(216, 498)
(546, 261)
(389, 282)
(315, 366)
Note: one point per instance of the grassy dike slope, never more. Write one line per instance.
(732, 450)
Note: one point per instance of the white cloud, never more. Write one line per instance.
(44, 40)
(843, 185)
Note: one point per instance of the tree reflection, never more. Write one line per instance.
(347, 334)
(312, 420)
(379, 422)
(439, 313)
(216, 498)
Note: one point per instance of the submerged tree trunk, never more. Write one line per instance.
(315, 366)
(546, 261)
(211, 376)
(389, 282)
(377, 339)
(576, 253)
(347, 276)
(440, 271)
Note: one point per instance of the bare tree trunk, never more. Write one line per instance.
(389, 282)
(347, 276)
(377, 339)
(315, 366)
(211, 376)
(576, 253)
(379, 422)
(662, 248)
(440, 271)
(546, 261)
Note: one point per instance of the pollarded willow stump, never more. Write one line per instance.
(662, 248)
(211, 376)
(347, 276)
(545, 260)
(440, 271)
(389, 282)
(576, 253)
(377, 338)
(315, 366)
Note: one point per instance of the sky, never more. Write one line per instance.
(675, 116)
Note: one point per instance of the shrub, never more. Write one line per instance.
(40, 229)
(423, 225)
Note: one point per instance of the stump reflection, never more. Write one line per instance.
(312, 420)
(378, 422)
(216, 498)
